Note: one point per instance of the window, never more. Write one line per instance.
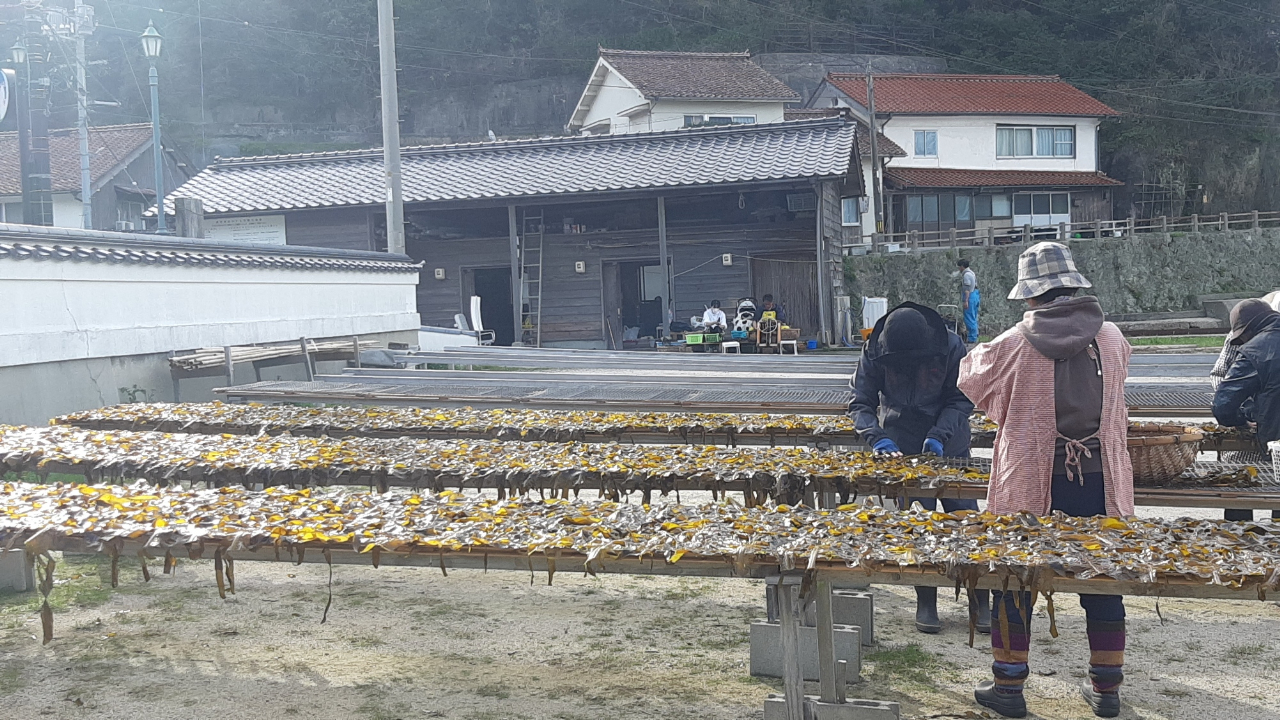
(964, 208)
(1022, 204)
(800, 202)
(914, 212)
(1035, 142)
(850, 211)
(930, 208)
(703, 120)
(1064, 142)
(1001, 206)
(12, 212)
(926, 143)
(1013, 142)
(1042, 205)
(1061, 204)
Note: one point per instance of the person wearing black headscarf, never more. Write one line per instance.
(905, 401)
(1250, 393)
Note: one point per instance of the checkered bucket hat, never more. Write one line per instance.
(1042, 268)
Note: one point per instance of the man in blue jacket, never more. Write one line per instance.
(905, 401)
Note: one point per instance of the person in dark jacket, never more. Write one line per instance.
(905, 401)
(1250, 393)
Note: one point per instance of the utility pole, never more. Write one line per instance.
(82, 26)
(37, 195)
(877, 199)
(391, 129)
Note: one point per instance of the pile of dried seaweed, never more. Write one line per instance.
(512, 424)
(150, 521)
(304, 461)
(1134, 549)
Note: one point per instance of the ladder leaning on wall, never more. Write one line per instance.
(531, 235)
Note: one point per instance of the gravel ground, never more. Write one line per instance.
(407, 643)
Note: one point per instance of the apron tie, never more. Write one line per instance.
(1076, 451)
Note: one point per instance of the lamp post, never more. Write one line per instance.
(21, 98)
(151, 42)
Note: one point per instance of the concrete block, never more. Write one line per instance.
(766, 650)
(14, 573)
(848, 607)
(775, 708)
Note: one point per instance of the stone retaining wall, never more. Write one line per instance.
(1148, 273)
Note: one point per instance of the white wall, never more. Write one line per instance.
(67, 211)
(969, 142)
(616, 97)
(669, 114)
(59, 311)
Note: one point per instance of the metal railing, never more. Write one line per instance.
(921, 240)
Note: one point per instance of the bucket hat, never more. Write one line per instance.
(1043, 267)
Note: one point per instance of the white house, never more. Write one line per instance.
(121, 172)
(638, 91)
(982, 150)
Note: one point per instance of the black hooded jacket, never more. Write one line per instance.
(909, 397)
(1251, 390)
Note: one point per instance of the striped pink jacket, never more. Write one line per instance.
(1014, 384)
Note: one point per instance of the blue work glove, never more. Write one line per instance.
(932, 447)
(885, 446)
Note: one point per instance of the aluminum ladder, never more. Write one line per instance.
(531, 236)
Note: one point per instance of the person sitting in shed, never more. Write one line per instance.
(714, 318)
(779, 311)
(905, 400)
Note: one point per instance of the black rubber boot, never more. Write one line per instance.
(1010, 705)
(982, 600)
(1104, 704)
(927, 611)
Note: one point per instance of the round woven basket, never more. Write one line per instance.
(1161, 453)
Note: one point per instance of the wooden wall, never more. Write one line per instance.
(1094, 205)
(341, 228)
(573, 305)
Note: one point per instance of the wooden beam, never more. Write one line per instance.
(516, 275)
(665, 259)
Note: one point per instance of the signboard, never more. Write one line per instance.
(258, 229)
(8, 84)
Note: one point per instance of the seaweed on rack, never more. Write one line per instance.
(518, 467)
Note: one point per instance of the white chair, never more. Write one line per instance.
(737, 347)
(484, 337)
(784, 344)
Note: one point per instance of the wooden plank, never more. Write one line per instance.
(751, 567)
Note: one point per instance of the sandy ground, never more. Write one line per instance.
(408, 643)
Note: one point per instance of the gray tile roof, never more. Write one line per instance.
(23, 242)
(809, 149)
(698, 76)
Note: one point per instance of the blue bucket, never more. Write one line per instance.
(812, 345)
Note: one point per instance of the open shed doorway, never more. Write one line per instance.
(792, 279)
(633, 293)
(493, 285)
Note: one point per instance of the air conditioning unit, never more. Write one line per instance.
(124, 226)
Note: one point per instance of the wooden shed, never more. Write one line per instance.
(565, 240)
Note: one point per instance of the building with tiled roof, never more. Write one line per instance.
(981, 150)
(555, 234)
(644, 91)
(120, 169)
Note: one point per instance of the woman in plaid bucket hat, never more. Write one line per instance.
(1055, 385)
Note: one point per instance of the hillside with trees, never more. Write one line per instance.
(1195, 79)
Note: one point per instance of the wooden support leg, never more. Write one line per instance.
(826, 644)
(789, 619)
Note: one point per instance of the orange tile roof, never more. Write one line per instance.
(110, 146)
(901, 178)
(972, 95)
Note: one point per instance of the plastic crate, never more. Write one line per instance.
(1274, 446)
(693, 338)
(711, 338)
(740, 334)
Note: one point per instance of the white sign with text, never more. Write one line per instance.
(258, 229)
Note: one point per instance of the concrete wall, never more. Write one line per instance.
(1146, 274)
(80, 332)
(32, 394)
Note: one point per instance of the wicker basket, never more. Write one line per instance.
(1161, 453)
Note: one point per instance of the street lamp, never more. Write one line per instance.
(151, 42)
(18, 53)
